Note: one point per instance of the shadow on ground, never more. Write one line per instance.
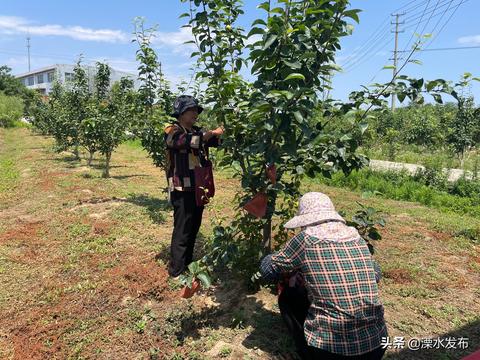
(237, 309)
(155, 207)
(123, 177)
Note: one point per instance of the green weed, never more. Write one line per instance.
(8, 175)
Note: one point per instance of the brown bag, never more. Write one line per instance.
(204, 185)
(257, 206)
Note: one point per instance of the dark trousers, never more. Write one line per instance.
(293, 303)
(187, 218)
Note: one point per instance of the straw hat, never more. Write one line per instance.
(314, 208)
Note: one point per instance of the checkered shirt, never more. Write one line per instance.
(346, 315)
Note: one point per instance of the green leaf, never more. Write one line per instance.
(205, 279)
(194, 267)
(438, 98)
(295, 76)
(265, 6)
(259, 22)
(256, 31)
(298, 116)
(415, 61)
(270, 41)
(431, 85)
(293, 65)
(277, 10)
(353, 14)
(363, 127)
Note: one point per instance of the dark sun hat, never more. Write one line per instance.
(183, 103)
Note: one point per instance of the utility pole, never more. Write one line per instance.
(28, 51)
(397, 23)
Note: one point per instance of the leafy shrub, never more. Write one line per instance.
(466, 188)
(366, 220)
(433, 174)
(11, 110)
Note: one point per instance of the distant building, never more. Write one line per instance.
(42, 79)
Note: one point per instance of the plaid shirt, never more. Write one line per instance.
(346, 315)
(185, 150)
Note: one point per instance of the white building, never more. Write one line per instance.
(42, 79)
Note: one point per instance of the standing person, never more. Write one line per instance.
(187, 147)
(329, 300)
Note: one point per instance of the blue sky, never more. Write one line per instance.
(101, 30)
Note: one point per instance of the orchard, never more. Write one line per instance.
(265, 85)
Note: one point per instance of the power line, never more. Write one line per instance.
(440, 20)
(368, 44)
(377, 45)
(430, 18)
(446, 22)
(448, 48)
(375, 39)
(407, 9)
(427, 11)
(416, 27)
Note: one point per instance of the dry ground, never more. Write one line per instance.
(82, 268)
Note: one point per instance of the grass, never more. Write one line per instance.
(399, 186)
(9, 172)
(8, 175)
(81, 277)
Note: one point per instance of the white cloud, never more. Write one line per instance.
(118, 63)
(11, 25)
(470, 40)
(174, 40)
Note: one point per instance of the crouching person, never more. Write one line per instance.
(329, 295)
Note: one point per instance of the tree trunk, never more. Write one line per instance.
(267, 227)
(267, 235)
(90, 158)
(76, 152)
(106, 172)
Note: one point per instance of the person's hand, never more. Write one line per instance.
(218, 131)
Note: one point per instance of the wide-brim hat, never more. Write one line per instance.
(183, 103)
(314, 208)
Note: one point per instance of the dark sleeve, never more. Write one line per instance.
(176, 138)
(267, 270)
(214, 142)
(378, 271)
